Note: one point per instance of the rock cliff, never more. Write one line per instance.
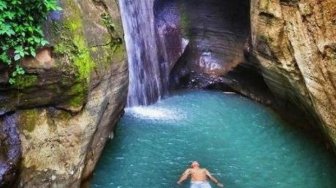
(58, 116)
(295, 45)
(278, 52)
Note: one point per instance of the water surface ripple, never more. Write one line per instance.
(244, 144)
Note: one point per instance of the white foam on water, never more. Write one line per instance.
(151, 112)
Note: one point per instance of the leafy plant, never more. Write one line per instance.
(20, 30)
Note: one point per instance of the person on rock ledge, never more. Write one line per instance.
(199, 177)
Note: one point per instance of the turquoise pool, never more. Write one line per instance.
(244, 145)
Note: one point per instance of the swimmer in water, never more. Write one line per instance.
(199, 177)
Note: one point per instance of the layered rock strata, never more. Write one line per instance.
(65, 107)
(295, 45)
(280, 53)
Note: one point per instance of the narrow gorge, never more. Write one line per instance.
(242, 47)
(254, 79)
(245, 47)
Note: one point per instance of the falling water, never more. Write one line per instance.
(145, 85)
(154, 43)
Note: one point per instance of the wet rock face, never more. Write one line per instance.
(62, 111)
(295, 44)
(169, 37)
(223, 53)
(56, 78)
(217, 33)
(10, 150)
(169, 30)
(216, 55)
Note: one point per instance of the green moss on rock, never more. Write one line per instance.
(79, 95)
(113, 50)
(25, 81)
(29, 119)
(185, 21)
(71, 40)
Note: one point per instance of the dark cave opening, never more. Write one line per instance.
(218, 54)
(218, 35)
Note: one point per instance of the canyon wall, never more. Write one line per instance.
(56, 118)
(294, 43)
(280, 53)
(217, 54)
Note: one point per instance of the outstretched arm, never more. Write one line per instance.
(184, 176)
(213, 179)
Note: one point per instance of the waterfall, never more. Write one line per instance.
(145, 86)
(154, 43)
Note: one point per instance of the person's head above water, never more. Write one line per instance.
(195, 164)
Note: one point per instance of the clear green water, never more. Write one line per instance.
(244, 145)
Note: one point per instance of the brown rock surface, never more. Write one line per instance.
(295, 44)
(66, 105)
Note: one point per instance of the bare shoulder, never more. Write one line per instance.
(206, 171)
(188, 170)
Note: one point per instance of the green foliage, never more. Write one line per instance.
(115, 40)
(107, 20)
(17, 71)
(20, 30)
